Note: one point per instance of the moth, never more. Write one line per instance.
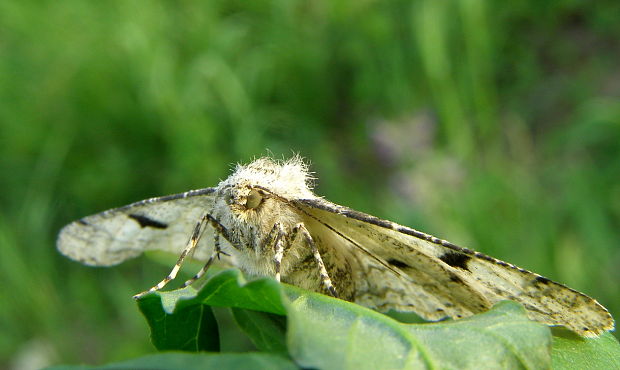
(265, 220)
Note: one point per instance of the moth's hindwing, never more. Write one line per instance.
(113, 236)
(407, 270)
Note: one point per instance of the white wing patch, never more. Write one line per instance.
(113, 236)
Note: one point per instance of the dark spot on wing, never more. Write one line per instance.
(455, 259)
(148, 222)
(82, 222)
(456, 279)
(397, 263)
(542, 280)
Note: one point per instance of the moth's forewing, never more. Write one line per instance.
(113, 236)
(382, 280)
(444, 279)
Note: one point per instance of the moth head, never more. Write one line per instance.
(243, 199)
(254, 199)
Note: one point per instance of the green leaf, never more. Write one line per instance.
(189, 328)
(197, 361)
(228, 288)
(182, 319)
(573, 352)
(324, 332)
(266, 330)
(329, 334)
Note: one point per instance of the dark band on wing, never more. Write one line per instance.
(454, 259)
(147, 222)
(397, 263)
(543, 280)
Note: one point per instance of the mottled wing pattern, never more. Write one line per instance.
(163, 223)
(401, 268)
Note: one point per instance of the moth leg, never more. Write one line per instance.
(217, 250)
(191, 245)
(216, 253)
(221, 230)
(278, 243)
(307, 238)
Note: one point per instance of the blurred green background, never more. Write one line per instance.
(493, 125)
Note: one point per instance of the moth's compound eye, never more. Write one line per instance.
(253, 200)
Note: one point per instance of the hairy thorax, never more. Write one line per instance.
(255, 209)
